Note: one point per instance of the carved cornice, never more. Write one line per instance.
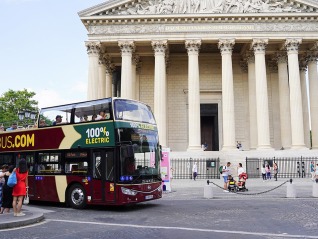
(193, 46)
(226, 45)
(93, 47)
(292, 45)
(164, 7)
(259, 45)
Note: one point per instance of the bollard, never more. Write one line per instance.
(315, 189)
(291, 189)
(208, 192)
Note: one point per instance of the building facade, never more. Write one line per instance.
(215, 72)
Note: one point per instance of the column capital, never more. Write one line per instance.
(280, 57)
(110, 67)
(93, 47)
(312, 56)
(159, 46)
(292, 45)
(127, 47)
(273, 66)
(226, 45)
(135, 59)
(249, 57)
(259, 45)
(193, 46)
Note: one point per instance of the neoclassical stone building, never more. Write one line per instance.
(214, 71)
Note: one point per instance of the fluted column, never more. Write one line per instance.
(160, 90)
(193, 47)
(263, 134)
(304, 95)
(313, 96)
(109, 79)
(226, 47)
(93, 50)
(252, 99)
(284, 105)
(296, 108)
(127, 48)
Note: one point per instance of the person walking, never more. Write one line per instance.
(263, 173)
(275, 168)
(268, 172)
(240, 170)
(312, 171)
(19, 190)
(225, 175)
(7, 197)
(195, 170)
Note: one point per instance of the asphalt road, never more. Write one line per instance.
(184, 214)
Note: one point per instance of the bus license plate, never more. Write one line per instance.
(149, 197)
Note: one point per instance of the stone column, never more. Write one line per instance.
(93, 50)
(226, 47)
(304, 95)
(296, 108)
(109, 79)
(193, 47)
(101, 77)
(252, 99)
(135, 61)
(160, 90)
(284, 106)
(313, 96)
(127, 48)
(137, 88)
(259, 46)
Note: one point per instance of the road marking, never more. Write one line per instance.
(283, 235)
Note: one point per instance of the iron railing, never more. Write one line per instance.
(288, 167)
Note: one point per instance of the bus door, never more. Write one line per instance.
(104, 176)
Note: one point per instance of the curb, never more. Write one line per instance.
(14, 222)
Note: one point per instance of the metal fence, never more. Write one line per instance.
(298, 167)
(208, 168)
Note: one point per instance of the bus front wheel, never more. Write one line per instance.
(77, 196)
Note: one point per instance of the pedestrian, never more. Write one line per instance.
(316, 177)
(312, 171)
(268, 172)
(19, 190)
(7, 197)
(240, 170)
(225, 175)
(171, 173)
(195, 170)
(263, 173)
(275, 168)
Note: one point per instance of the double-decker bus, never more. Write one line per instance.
(81, 159)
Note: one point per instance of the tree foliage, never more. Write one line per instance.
(11, 102)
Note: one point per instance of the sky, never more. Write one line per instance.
(43, 49)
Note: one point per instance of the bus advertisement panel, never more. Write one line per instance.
(99, 134)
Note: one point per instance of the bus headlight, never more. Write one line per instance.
(128, 191)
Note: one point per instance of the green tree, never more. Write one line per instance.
(11, 102)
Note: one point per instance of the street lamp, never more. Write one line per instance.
(26, 115)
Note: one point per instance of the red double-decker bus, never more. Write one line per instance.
(77, 158)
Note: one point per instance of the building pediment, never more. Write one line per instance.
(172, 7)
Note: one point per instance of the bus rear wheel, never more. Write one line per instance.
(77, 196)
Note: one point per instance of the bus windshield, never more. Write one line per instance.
(133, 111)
(139, 161)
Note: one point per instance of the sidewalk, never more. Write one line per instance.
(31, 216)
(185, 189)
